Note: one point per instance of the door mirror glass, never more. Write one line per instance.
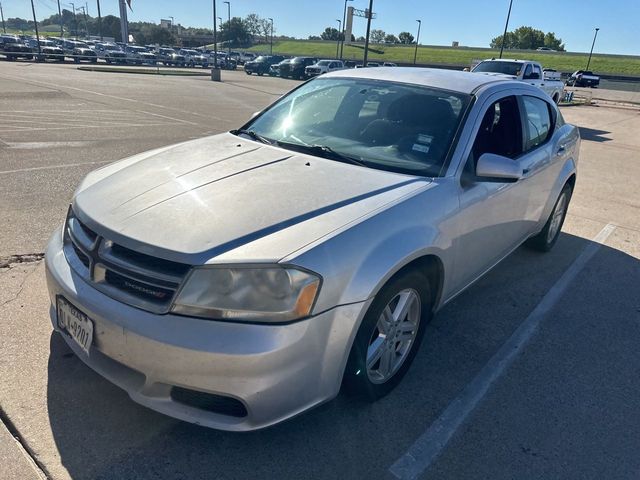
(492, 167)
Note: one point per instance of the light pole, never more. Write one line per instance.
(366, 40)
(35, 23)
(100, 21)
(4, 28)
(271, 49)
(75, 19)
(229, 26)
(506, 25)
(343, 33)
(415, 54)
(591, 52)
(339, 37)
(171, 22)
(215, 71)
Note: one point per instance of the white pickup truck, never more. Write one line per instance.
(525, 70)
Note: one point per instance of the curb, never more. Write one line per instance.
(145, 71)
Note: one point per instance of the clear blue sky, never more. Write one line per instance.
(471, 22)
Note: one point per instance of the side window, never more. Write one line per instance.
(500, 130)
(527, 72)
(538, 122)
(536, 69)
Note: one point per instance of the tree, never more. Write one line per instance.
(390, 38)
(360, 39)
(405, 37)
(528, 38)
(330, 33)
(236, 33)
(252, 23)
(146, 33)
(314, 37)
(377, 36)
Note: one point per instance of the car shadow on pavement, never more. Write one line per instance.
(101, 434)
(594, 135)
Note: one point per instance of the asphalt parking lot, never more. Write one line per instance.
(566, 407)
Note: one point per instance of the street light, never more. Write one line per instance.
(229, 26)
(339, 36)
(592, 45)
(415, 54)
(4, 28)
(506, 25)
(171, 22)
(271, 51)
(344, 23)
(366, 38)
(215, 72)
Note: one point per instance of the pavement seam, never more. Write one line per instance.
(6, 262)
(38, 466)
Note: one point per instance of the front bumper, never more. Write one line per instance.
(275, 371)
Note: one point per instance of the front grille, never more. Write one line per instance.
(209, 402)
(135, 278)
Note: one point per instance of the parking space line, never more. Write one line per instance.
(53, 167)
(120, 125)
(433, 441)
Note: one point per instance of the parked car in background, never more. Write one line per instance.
(137, 55)
(261, 65)
(351, 227)
(49, 50)
(227, 63)
(583, 78)
(524, 71)
(84, 54)
(369, 65)
(389, 64)
(69, 46)
(296, 67)
(551, 74)
(13, 47)
(194, 58)
(170, 58)
(110, 53)
(246, 57)
(275, 69)
(323, 66)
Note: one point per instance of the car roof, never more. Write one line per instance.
(458, 81)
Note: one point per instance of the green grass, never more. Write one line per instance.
(565, 62)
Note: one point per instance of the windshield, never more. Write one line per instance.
(324, 62)
(497, 66)
(112, 48)
(385, 125)
(262, 59)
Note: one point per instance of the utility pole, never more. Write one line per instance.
(35, 23)
(99, 21)
(343, 33)
(61, 21)
(591, 52)
(229, 26)
(506, 26)
(271, 48)
(366, 40)
(415, 54)
(86, 25)
(75, 19)
(339, 37)
(4, 28)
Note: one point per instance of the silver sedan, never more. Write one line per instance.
(237, 280)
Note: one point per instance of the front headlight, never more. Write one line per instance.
(256, 294)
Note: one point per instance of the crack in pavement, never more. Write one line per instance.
(20, 289)
(7, 262)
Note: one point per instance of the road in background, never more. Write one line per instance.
(565, 409)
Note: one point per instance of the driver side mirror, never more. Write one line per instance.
(496, 168)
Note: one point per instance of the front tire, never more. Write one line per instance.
(546, 239)
(389, 337)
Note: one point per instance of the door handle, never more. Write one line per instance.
(561, 150)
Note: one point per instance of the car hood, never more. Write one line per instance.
(223, 198)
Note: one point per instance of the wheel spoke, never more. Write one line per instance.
(404, 303)
(375, 351)
(385, 321)
(386, 362)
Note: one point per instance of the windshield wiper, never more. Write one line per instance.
(253, 135)
(323, 151)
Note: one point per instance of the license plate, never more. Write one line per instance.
(78, 325)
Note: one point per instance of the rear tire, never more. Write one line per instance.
(546, 239)
(389, 337)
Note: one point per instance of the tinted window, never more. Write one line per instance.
(500, 131)
(498, 66)
(538, 120)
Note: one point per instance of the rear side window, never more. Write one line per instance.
(537, 122)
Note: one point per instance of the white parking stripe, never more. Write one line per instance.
(431, 443)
